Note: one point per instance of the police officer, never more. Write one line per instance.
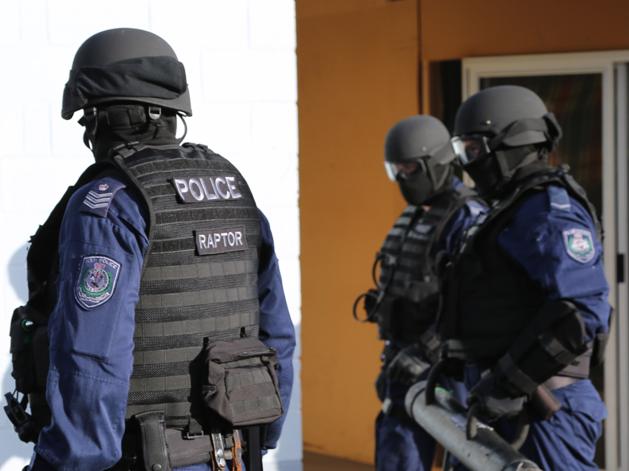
(170, 336)
(405, 301)
(525, 302)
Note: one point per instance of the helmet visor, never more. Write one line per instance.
(402, 170)
(470, 148)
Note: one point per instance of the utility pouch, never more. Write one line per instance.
(187, 452)
(153, 441)
(242, 386)
(598, 351)
(22, 332)
(600, 344)
(29, 357)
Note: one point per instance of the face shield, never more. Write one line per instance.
(397, 171)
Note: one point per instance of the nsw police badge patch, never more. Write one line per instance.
(96, 281)
(579, 244)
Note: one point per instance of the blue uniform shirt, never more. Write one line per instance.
(553, 238)
(91, 350)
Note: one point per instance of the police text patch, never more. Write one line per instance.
(96, 282)
(215, 241)
(199, 189)
(579, 244)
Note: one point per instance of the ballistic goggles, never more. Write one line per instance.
(425, 163)
(469, 148)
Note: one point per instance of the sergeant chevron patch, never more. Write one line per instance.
(100, 196)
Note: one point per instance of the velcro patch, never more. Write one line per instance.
(100, 196)
(202, 189)
(96, 282)
(210, 242)
(424, 229)
(579, 244)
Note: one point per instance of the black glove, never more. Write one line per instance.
(407, 366)
(491, 401)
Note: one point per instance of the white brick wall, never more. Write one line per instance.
(241, 66)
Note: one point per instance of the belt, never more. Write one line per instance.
(182, 451)
(556, 382)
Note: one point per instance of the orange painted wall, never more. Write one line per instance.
(357, 75)
(358, 72)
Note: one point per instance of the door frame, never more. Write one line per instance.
(614, 187)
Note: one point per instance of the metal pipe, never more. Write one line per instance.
(446, 419)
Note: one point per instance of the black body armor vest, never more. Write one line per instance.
(190, 290)
(487, 298)
(408, 286)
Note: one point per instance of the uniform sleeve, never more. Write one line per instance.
(276, 327)
(553, 238)
(91, 331)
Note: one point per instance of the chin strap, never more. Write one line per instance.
(89, 121)
(185, 128)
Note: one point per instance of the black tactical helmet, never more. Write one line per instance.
(494, 110)
(499, 131)
(126, 64)
(415, 137)
(417, 155)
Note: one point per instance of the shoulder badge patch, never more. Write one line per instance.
(579, 244)
(96, 282)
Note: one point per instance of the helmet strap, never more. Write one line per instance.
(89, 121)
(185, 129)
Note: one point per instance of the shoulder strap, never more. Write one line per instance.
(580, 195)
(458, 198)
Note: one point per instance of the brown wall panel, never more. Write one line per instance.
(468, 28)
(357, 76)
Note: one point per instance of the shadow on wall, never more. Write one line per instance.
(13, 453)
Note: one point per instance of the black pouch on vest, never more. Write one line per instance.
(29, 340)
(600, 343)
(242, 385)
(153, 441)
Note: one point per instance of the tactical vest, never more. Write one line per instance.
(408, 284)
(488, 299)
(193, 286)
(198, 304)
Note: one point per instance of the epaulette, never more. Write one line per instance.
(558, 198)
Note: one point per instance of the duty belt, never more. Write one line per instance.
(148, 445)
